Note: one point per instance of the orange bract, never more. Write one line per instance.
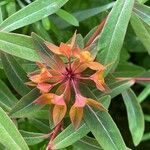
(57, 82)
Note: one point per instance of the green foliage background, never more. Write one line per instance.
(56, 21)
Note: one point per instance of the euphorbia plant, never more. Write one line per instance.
(59, 79)
(60, 94)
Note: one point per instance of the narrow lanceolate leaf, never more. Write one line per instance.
(71, 135)
(105, 131)
(126, 69)
(84, 14)
(135, 116)
(146, 137)
(32, 138)
(67, 17)
(16, 75)
(25, 107)
(9, 135)
(47, 56)
(113, 33)
(141, 31)
(143, 12)
(116, 87)
(18, 45)
(31, 13)
(87, 143)
(7, 99)
(40, 125)
(1, 16)
(144, 94)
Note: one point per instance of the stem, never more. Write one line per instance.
(131, 78)
(98, 30)
(75, 88)
(53, 135)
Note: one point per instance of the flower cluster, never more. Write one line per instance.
(63, 78)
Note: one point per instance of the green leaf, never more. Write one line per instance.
(11, 8)
(126, 69)
(113, 33)
(18, 45)
(87, 143)
(146, 137)
(46, 23)
(25, 107)
(15, 73)
(116, 88)
(143, 12)
(40, 124)
(1, 15)
(32, 138)
(47, 56)
(38, 27)
(67, 17)
(70, 135)
(135, 116)
(147, 118)
(31, 13)
(105, 131)
(7, 99)
(10, 136)
(144, 94)
(41, 114)
(84, 14)
(141, 31)
(142, 1)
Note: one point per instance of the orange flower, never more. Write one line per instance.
(64, 77)
(76, 111)
(60, 107)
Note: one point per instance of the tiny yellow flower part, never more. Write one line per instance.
(57, 81)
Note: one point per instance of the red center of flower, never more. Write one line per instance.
(69, 74)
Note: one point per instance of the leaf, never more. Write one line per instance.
(146, 137)
(18, 45)
(41, 114)
(141, 31)
(84, 14)
(1, 15)
(116, 88)
(40, 125)
(142, 1)
(113, 33)
(126, 69)
(10, 136)
(143, 12)
(67, 17)
(46, 55)
(40, 30)
(25, 107)
(135, 116)
(147, 118)
(32, 138)
(7, 99)
(87, 143)
(105, 131)
(15, 73)
(70, 135)
(31, 13)
(144, 94)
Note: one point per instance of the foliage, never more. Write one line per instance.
(112, 42)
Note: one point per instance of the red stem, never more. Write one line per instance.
(98, 30)
(132, 78)
(53, 134)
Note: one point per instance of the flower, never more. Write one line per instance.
(57, 81)
(76, 111)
